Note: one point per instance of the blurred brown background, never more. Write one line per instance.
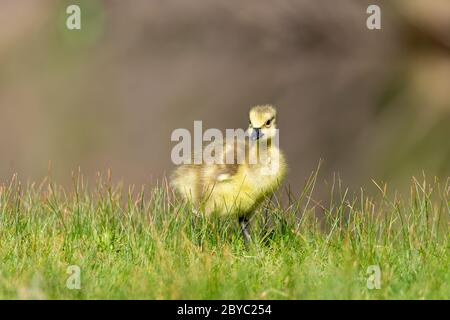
(372, 104)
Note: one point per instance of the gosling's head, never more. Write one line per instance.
(262, 122)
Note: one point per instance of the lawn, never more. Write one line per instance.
(103, 241)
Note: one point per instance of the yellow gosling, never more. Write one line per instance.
(237, 188)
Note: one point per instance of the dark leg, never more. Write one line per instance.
(243, 222)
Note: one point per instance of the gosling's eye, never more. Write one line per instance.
(249, 123)
(268, 122)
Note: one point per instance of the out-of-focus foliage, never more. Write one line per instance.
(372, 104)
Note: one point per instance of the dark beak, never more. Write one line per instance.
(256, 134)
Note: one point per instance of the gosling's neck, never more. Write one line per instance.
(262, 151)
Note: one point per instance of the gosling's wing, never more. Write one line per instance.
(224, 172)
(233, 158)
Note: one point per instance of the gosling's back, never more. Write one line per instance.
(235, 189)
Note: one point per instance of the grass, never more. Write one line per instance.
(135, 245)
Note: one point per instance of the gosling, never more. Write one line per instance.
(240, 187)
